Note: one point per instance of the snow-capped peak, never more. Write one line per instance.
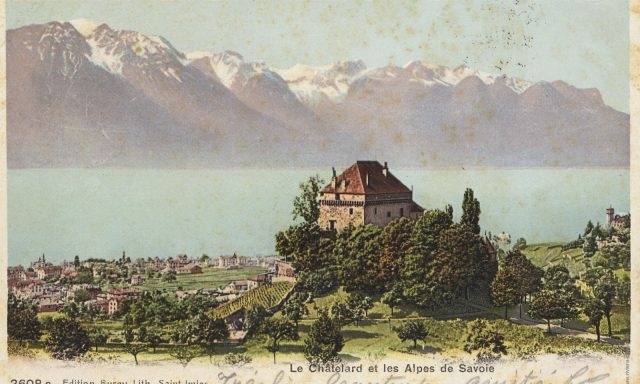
(429, 74)
(332, 81)
(85, 27)
(198, 55)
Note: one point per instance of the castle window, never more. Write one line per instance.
(388, 213)
(375, 211)
(401, 212)
(332, 224)
(351, 211)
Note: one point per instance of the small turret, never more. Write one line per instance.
(333, 178)
(610, 215)
(385, 170)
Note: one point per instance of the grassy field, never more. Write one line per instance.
(209, 278)
(383, 311)
(375, 339)
(620, 323)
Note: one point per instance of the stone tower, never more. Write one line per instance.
(365, 193)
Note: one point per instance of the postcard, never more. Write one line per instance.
(204, 192)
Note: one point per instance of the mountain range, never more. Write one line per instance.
(81, 94)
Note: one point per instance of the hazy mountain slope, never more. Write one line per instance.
(81, 94)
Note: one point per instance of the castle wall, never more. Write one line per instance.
(344, 215)
(383, 214)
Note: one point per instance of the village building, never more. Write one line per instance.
(16, 273)
(192, 269)
(365, 193)
(232, 261)
(243, 285)
(137, 280)
(284, 269)
(48, 271)
(617, 221)
(42, 262)
(114, 304)
(261, 279)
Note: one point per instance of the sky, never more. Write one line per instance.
(584, 43)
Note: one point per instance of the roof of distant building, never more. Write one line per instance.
(354, 180)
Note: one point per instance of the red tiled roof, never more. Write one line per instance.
(356, 180)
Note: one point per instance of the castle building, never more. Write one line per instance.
(365, 193)
(617, 221)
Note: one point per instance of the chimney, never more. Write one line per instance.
(366, 178)
(333, 179)
(385, 170)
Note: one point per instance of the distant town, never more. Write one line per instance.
(108, 282)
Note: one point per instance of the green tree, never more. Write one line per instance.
(395, 244)
(417, 266)
(505, 289)
(593, 309)
(605, 291)
(255, 317)
(134, 349)
(67, 339)
(71, 309)
(184, 354)
(413, 330)
(460, 261)
(588, 229)
(520, 244)
(22, 320)
(81, 295)
(589, 247)
(557, 279)
(341, 313)
(206, 331)
(305, 205)
(295, 308)
(483, 341)
(306, 246)
(393, 297)
(128, 334)
(357, 256)
(324, 341)
(277, 330)
(623, 291)
(549, 306)
(169, 276)
(597, 231)
(318, 282)
(528, 276)
(357, 306)
(154, 338)
(76, 261)
(470, 211)
(98, 336)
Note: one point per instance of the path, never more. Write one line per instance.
(513, 317)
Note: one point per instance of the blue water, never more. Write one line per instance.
(100, 213)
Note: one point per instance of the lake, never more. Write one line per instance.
(101, 212)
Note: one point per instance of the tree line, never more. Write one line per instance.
(428, 262)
